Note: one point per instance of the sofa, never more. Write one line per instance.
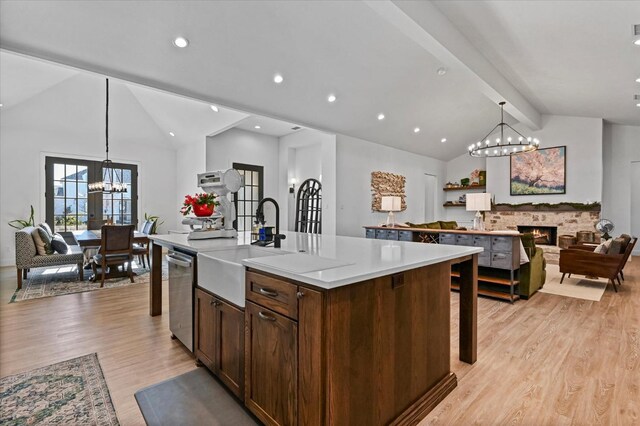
(27, 256)
(533, 274)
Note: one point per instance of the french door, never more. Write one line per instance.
(70, 207)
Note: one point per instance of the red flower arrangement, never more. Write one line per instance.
(202, 204)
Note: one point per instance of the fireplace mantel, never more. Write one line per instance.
(547, 207)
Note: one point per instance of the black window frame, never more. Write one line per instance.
(94, 201)
(250, 202)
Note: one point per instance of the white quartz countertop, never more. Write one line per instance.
(357, 259)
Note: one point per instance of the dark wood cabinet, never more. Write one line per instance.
(219, 339)
(205, 336)
(271, 365)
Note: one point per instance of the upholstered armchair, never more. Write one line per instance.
(582, 260)
(533, 274)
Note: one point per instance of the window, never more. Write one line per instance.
(70, 207)
(247, 198)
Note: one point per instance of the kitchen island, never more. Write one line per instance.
(342, 330)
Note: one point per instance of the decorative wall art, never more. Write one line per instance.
(539, 172)
(382, 184)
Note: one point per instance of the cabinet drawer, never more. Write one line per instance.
(464, 240)
(483, 241)
(370, 233)
(272, 293)
(392, 235)
(501, 243)
(381, 234)
(405, 236)
(448, 239)
(501, 260)
(484, 258)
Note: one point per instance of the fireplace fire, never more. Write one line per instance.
(543, 235)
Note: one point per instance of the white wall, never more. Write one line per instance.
(621, 147)
(242, 146)
(583, 139)
(304, 154)
(67, 120)
(191, 159)
(356, 159)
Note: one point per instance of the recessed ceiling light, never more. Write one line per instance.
(380, 116)
(416, 130)
(331, 98)
(442, 71)
(637, 42)
(172, 134)
(214, 108)
(638, 105)
(181, 42)
(443, 140)
(637, 80)
(278, 79)
(0, 105)
(256, 127)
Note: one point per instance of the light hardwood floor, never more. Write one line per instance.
(550, 360)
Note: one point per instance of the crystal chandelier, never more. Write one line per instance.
(515, 142)
(111, 181)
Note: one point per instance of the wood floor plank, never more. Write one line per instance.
(549, 360)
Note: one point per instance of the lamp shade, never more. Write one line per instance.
(391, 204)
(479, 202)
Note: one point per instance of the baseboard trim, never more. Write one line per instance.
(427, 402)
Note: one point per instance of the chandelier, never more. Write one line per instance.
(111, 182)
(515, 142)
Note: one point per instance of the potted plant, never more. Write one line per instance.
(202, 205)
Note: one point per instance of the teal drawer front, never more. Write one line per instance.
(448, 239)
(370, 233)
(405, 236)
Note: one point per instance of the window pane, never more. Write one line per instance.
(247, 178)
(70, 189)
(83, 206)
(58, 206)
(83, 173)
(58, 171)
(82, 190)
(106, 206)
(256, 193)
(58, 188)
(241, 194)
(126, 176)
(116, 207)
(82, 222)
(240, 208)
(58, 223)
(126, 219)
(70, 172)
(70, 207)
(126, 206)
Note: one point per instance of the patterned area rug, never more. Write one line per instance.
(59, 280)
(578, 287)
(72, 392)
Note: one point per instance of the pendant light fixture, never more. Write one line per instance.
(514, 143)
(111, 182)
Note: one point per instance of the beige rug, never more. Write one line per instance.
(577, 286)
(59, 280)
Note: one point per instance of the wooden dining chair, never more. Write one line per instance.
(116, 249)
(141, 251)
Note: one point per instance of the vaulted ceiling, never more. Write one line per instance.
(572, 58)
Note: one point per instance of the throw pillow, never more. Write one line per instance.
(42, 241)
(47, 228)
(616, 246)
(59, 244)
(601, 248)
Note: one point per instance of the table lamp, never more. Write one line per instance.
(478, 203)
(391, 204)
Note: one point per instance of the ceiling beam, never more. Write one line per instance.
(425, 24)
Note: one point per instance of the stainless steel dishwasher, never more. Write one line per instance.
(181, 277)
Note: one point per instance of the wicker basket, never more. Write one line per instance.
(585, 237)
(564, 241)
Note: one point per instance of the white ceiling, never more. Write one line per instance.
(572, 59)
(566, 57)
(268, 126)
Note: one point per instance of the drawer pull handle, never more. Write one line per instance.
(300, 294)
(266, 317)
(268, 292)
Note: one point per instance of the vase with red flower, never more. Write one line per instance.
(201, 205)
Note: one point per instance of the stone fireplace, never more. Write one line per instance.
(565, 222)
(543, 235)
